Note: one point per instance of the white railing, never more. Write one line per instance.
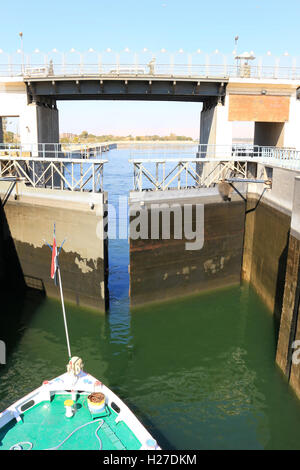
(56, 150)
(162, 175)
(225, 69)
(213, 164)
(55, 173)
(239, 150)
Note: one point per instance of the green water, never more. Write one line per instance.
(198, 372)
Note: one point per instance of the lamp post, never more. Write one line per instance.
(9, 61)
(62, 59)
(73, 51)
(236, 44)
(37, 53)
(22, 51)
(194, 61)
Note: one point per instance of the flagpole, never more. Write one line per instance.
(64, 312)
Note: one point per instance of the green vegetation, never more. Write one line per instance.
(89, 138)
(9, 137)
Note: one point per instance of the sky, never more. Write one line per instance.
(262, 25)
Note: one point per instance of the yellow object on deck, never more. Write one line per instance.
(68, 402)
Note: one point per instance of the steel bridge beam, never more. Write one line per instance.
(43, 90)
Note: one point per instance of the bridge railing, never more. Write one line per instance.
(113, 70)
(55, 173)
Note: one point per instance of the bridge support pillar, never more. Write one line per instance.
(291, 127)
(215, 132)
(38, 120)
(39, 124)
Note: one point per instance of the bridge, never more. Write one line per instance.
(231, 89)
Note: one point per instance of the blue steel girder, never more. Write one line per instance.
(126, 89)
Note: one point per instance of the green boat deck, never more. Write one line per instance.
(46, 426)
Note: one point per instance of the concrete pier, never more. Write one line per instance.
(79, 217)
(161, 268)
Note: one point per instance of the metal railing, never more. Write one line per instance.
(239, 150)
(55, 173)
(214, 163)
(162, 175)
(56, 150)
(142, 70)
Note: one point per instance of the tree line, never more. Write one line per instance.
(84, 136)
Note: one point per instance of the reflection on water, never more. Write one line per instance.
(199, 372)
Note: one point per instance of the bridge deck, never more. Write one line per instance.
(159, 87)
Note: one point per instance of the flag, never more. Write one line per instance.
(54, 261)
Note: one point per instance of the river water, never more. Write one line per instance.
(199, 372)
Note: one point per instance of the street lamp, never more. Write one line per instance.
(194, 59)
(61, 62)
(38, 53)
(22, 50)
(73, 51)
(2, 53)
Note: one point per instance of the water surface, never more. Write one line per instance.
(199, 372)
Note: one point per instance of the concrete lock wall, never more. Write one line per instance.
(271, 260)
(257, 240)
(163, 268)
(290, 324)
(11, 276)
(267, 229)
(83, 258)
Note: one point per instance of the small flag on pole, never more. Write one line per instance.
(54, 261)
(55, 274)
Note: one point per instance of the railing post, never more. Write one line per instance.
(140, 177)
(33, 172)
(61, 180)
(93, 170)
